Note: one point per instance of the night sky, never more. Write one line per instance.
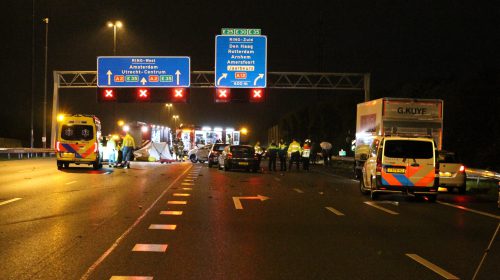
(398, 42)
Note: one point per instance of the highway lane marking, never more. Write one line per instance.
(470, 210)
(277, 179)
(131, 278)
(177, 202)
(162, 248)
(117, 242)
(70, 183)
(374, 204)
(443, 273)
(163, 227)
(188, 180)
(10, 201)
(187, 184)
(335, 211)
(298, 190)
(181, 194)
(171, 213)
(237, 202)
(187, 189)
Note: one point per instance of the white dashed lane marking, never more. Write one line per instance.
(171, 213)
(131, 278)
(163, 227)
(187, 184)
(10, 201)
(70, 183)
(177, 202)
(335, 211)
(150, 248)
(374, 204)
(443, 273)
(187, 189)
(298, 190)
(181, 194)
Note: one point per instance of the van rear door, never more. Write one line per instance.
(409, 162)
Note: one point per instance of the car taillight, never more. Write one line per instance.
(462, 168)
(58, 146)
(229, 155)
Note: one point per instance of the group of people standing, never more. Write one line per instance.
(294, 152)
(120, 150)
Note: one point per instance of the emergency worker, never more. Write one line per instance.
(111, 149)
(128, 147)
(294, 151)
(180, 147)
(282, 154)
(258, 151)
(306, 153)
(272, 152)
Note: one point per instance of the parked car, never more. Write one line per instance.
(199, 154)
(213, 155)
(239, 157)
(451, 172)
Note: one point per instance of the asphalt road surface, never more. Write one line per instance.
(188, 221)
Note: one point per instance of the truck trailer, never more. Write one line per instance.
(403, 117)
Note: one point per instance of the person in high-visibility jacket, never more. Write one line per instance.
(282, 154)
(306, 153)
(294, 151)
(128, 147)
(272, 153)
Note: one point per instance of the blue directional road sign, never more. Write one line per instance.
(240, 61)
(143, 71)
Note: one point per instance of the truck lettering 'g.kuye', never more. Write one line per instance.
(396, 117)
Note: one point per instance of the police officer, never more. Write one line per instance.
(282, 154)
(306, 152)
(294, 151)
(272, 152)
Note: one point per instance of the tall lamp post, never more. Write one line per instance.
(44, 138)
(115, 25)
(174, 129)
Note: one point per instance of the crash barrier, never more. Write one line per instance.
(20, 153)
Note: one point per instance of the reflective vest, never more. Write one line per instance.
(306, 151)
(294, 147)
(128, 141)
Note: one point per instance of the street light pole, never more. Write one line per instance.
(114, 39)
(44, 138)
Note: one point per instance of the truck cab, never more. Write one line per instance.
(401, 165)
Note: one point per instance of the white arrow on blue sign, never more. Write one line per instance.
(240, 61)
(143, 71)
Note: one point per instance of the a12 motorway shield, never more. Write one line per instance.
(143, 71)
(240, 61)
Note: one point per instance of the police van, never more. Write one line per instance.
(77, 141)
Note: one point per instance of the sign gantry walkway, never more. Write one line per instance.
(205, 79)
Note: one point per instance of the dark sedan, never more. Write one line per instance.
(239, 157)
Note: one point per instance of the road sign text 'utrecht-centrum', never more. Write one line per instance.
(143, 71)
(240, 61)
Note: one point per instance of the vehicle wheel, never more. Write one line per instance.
(373, 194)
(432, 198)
(66, 165)
(95, 165)
(226, 167)
(450, 190)
(201, 161)
(193, 158)
(362, 186)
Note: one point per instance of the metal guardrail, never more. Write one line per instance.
(28, 152)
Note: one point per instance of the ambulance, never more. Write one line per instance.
(77, 141)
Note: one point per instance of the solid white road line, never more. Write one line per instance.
(10, 200)
(150, 248)
(445, 274)
(72, 182)
(171, 213)
(164, 227)
(298, 190)
(131, 278)
(335, 211)
(373, 204)
(470, 210)
(177, 202)
(101, 259)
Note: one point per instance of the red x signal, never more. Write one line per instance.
(257, 95)
(143, 94)
(106, 94)
(222, 95)
(179, 95)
